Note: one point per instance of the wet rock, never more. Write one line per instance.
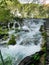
(29, 60)
(16, 25)
(2, 35)
(12, 40)
(11, 24)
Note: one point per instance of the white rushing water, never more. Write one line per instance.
(34, 1)
(28, 43)
(31, 1)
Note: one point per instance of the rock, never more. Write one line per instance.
(29, 60)
(12, 40)
(2, 35)
(11, 25)
(16, 25)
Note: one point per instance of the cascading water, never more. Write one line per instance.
(14, 26)
(28, 42)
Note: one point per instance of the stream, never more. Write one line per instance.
(27, 42)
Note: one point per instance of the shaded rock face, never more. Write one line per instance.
(11, 24)
(16, 25)
(29, 60)
(47, 23)
(4, 25)
(25, 60)
(2, 35)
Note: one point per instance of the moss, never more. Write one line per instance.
(5, 15)
(5, 31)
(43, 45)
(12, 40)
(44, 48)
(41, 28)
(5, 37)
(18, 19)
(44, 34)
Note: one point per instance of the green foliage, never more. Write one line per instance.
(7, 61)
(5, 37)
(31, 10)
(3, 32)
(32, 64)
(43, 11)
(44, 49)
(44, 35)
(12, 40)
(36, 56)
(4, 15)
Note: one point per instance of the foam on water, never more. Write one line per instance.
(28, 39)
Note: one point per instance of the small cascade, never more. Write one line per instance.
(28, 42)
(9, 26)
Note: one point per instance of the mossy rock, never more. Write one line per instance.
(41, 28)
(5, 37)
(44, 35)
(12, 40)
(44, 49)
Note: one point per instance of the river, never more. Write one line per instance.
(27, 43)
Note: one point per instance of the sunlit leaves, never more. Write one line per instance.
(26, 10)
(4, 14)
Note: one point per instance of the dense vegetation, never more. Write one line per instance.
(12, 8)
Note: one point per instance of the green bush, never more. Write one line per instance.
(12, 40)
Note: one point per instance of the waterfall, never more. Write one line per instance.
(28, 43)
(9, 26)
(12, 31)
